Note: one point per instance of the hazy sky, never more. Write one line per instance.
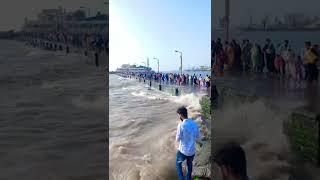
(12, 12)
(241, 9)
(155, 28)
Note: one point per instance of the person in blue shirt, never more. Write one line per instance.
(187, 134)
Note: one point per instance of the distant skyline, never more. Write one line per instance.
(142, 28)
(241, 10)
(13, 12)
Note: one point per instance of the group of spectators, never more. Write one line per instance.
(281, 61)
(93, 42)
(180, 80)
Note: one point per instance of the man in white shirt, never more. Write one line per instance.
(187, 134)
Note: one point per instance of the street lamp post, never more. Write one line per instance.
(227, 19)
(160, 87)
(180, 60)
(158, 63)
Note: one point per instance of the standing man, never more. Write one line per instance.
(269, 55)
(284, 47)
(96, 57)
(310, 59)
(187, 134)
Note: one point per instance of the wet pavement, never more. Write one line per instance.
(182, 89)
(271, 87)
(258, 125)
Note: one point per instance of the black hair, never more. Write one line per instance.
(183, 111)
(232, 156)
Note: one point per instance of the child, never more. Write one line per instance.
(299, 66)
(291, 67)
(279, 64)
(276, 65)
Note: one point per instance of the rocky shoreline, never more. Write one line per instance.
(202, 163)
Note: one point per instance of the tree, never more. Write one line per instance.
(79, 15)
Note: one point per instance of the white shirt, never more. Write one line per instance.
(187, 134)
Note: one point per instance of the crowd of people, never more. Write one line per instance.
(280, 60)
(177, 79)
(52, 40)
(59, 41)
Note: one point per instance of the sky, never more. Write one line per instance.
(13, 12)
(156, 28)
(240, 10)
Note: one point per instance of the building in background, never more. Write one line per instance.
(72, 27)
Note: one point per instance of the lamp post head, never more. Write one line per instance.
(178, 51)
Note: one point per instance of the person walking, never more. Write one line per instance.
(187, 134)
(269, 55)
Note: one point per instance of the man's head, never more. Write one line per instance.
(231, 160)
(307, 44)
(183, 113)
(268, 41)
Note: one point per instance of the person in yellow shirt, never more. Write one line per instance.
(310, 59)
